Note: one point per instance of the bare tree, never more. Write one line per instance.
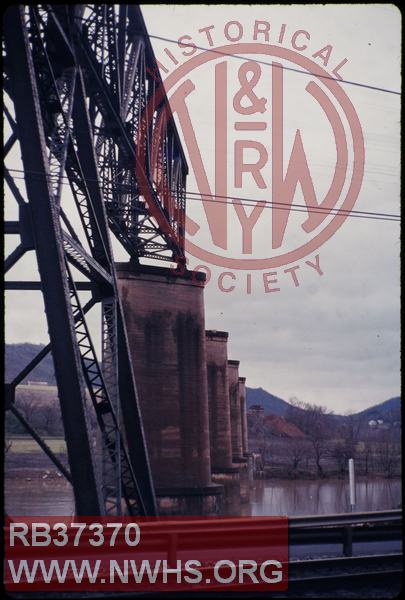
(312, 419)
(50, 419)
(338, 452)
(296, 452)
(389, 455)
(350, 430)
(320, 449)
(366, 454)
(27, 405)
(347, 432)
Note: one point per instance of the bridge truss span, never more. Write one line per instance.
(91, 148)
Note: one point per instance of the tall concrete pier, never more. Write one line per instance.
(218, 399)
(223, 471)
(164, 316)
(236, 417)
(239, 460)
(243, 411)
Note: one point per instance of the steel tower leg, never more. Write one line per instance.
(51, 264)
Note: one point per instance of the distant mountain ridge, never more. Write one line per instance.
(17, 356)
(273, 405)
(391, 408)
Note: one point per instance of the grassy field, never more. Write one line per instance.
(38, 388)
(24, 444)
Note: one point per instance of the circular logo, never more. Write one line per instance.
(250, 147)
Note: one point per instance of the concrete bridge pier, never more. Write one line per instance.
(222, 469)
(164, 315)
(243, 411)
(238, 457)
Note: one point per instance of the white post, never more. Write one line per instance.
(352, 485)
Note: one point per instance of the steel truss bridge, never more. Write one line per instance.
(91, 148)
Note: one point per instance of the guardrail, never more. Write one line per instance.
(343, 528)
(346, 528)
(351, 518)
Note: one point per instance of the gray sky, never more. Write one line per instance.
(334, 339)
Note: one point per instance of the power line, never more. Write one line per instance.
(206, 197)
(307, 208)
(291, 207)
(263, 62)
(245, 201)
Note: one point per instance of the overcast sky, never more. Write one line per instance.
(334, 339)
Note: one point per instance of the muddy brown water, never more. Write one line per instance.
(268, 497)
(326, 496)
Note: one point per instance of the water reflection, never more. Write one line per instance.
(38, 497)
(284, 497)
(268, 497)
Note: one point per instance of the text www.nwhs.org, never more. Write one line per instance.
(129, 571)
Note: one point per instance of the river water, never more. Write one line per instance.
(325, 496)
(268, 497)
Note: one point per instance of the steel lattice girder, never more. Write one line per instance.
(56, 128)
(130, 120)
